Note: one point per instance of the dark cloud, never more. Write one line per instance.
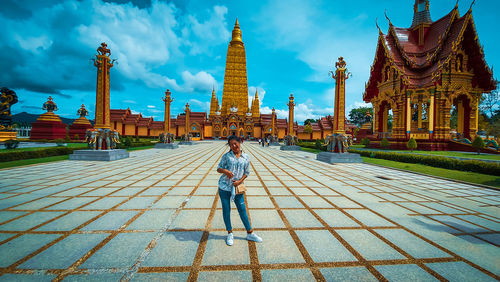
(46, 55)
(138, 3)
(13, 10)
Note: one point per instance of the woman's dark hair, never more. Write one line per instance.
(233, 137)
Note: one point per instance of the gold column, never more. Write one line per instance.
(291, 106)
(375, 118)
(419, 115)
(167, 99)
(430, 115)
(103, 64)
(272, 123)
(339, 107)
(408, 115)
(187, 110)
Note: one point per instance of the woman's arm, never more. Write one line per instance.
(228, 173)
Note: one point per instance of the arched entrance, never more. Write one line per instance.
(233, 129)
(195, 131)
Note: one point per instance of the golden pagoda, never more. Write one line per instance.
(235, 91)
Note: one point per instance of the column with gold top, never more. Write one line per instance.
(340, 77)
(103, 64)
(291, 106)
(167, 99)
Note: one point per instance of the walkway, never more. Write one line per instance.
(156, 216)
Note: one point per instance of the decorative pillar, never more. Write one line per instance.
(188, 111)
(339, 107)
(273, 132)
(103, 64)
(291, 106)
(167, 99)
(408, 116)
(419, 115)
(430, 115)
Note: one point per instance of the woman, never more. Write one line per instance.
(234, 168)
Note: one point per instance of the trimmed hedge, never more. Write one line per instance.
(43, 153)
(434, 161)
(50, 152)
(311, 145)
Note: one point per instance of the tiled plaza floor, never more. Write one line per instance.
(155, 216)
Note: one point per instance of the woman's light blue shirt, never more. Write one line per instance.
(238, 166)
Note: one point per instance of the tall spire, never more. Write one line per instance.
(235, 89)
(213, 104)
(421, 13)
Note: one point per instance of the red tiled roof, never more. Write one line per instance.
(421, 65)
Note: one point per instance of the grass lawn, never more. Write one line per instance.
(33, 161)
(53, 159)
(472, 177)
(459, 154)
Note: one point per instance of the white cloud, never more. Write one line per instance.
(204, 106)
(201, 81)
(213, 31)
(129, 101)
(151, 106)
(356, 105)
(251, 94)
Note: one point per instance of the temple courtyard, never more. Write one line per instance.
(155, 216)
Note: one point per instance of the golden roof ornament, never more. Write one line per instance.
(236, 36)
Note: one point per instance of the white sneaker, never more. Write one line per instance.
(254, 237)
(229, 239)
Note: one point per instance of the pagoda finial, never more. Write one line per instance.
(256, 94)
(236, 38)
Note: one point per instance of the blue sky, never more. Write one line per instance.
(46, 46)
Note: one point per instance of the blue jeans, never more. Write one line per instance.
(239, 201)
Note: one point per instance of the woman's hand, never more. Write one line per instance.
(229, 174)
(237, 182)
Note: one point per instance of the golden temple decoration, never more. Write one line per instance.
(167, 99)
(103, 64)
(235, 78)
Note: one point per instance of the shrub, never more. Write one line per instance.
(412, 144)
(491, 168)
(384, 143)
(478, 143)
(67, 139)
(318, 144)
(76, 137)
(42, 153)
(11, 144)
(365, 141)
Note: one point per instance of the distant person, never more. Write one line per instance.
(234, 166)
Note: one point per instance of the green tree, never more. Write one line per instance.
(308, 128)
(478, 144)
(412, 144)
(310, 120)
(358, 116)
(384, 143)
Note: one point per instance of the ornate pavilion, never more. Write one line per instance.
(233, 116)
(422, 72)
